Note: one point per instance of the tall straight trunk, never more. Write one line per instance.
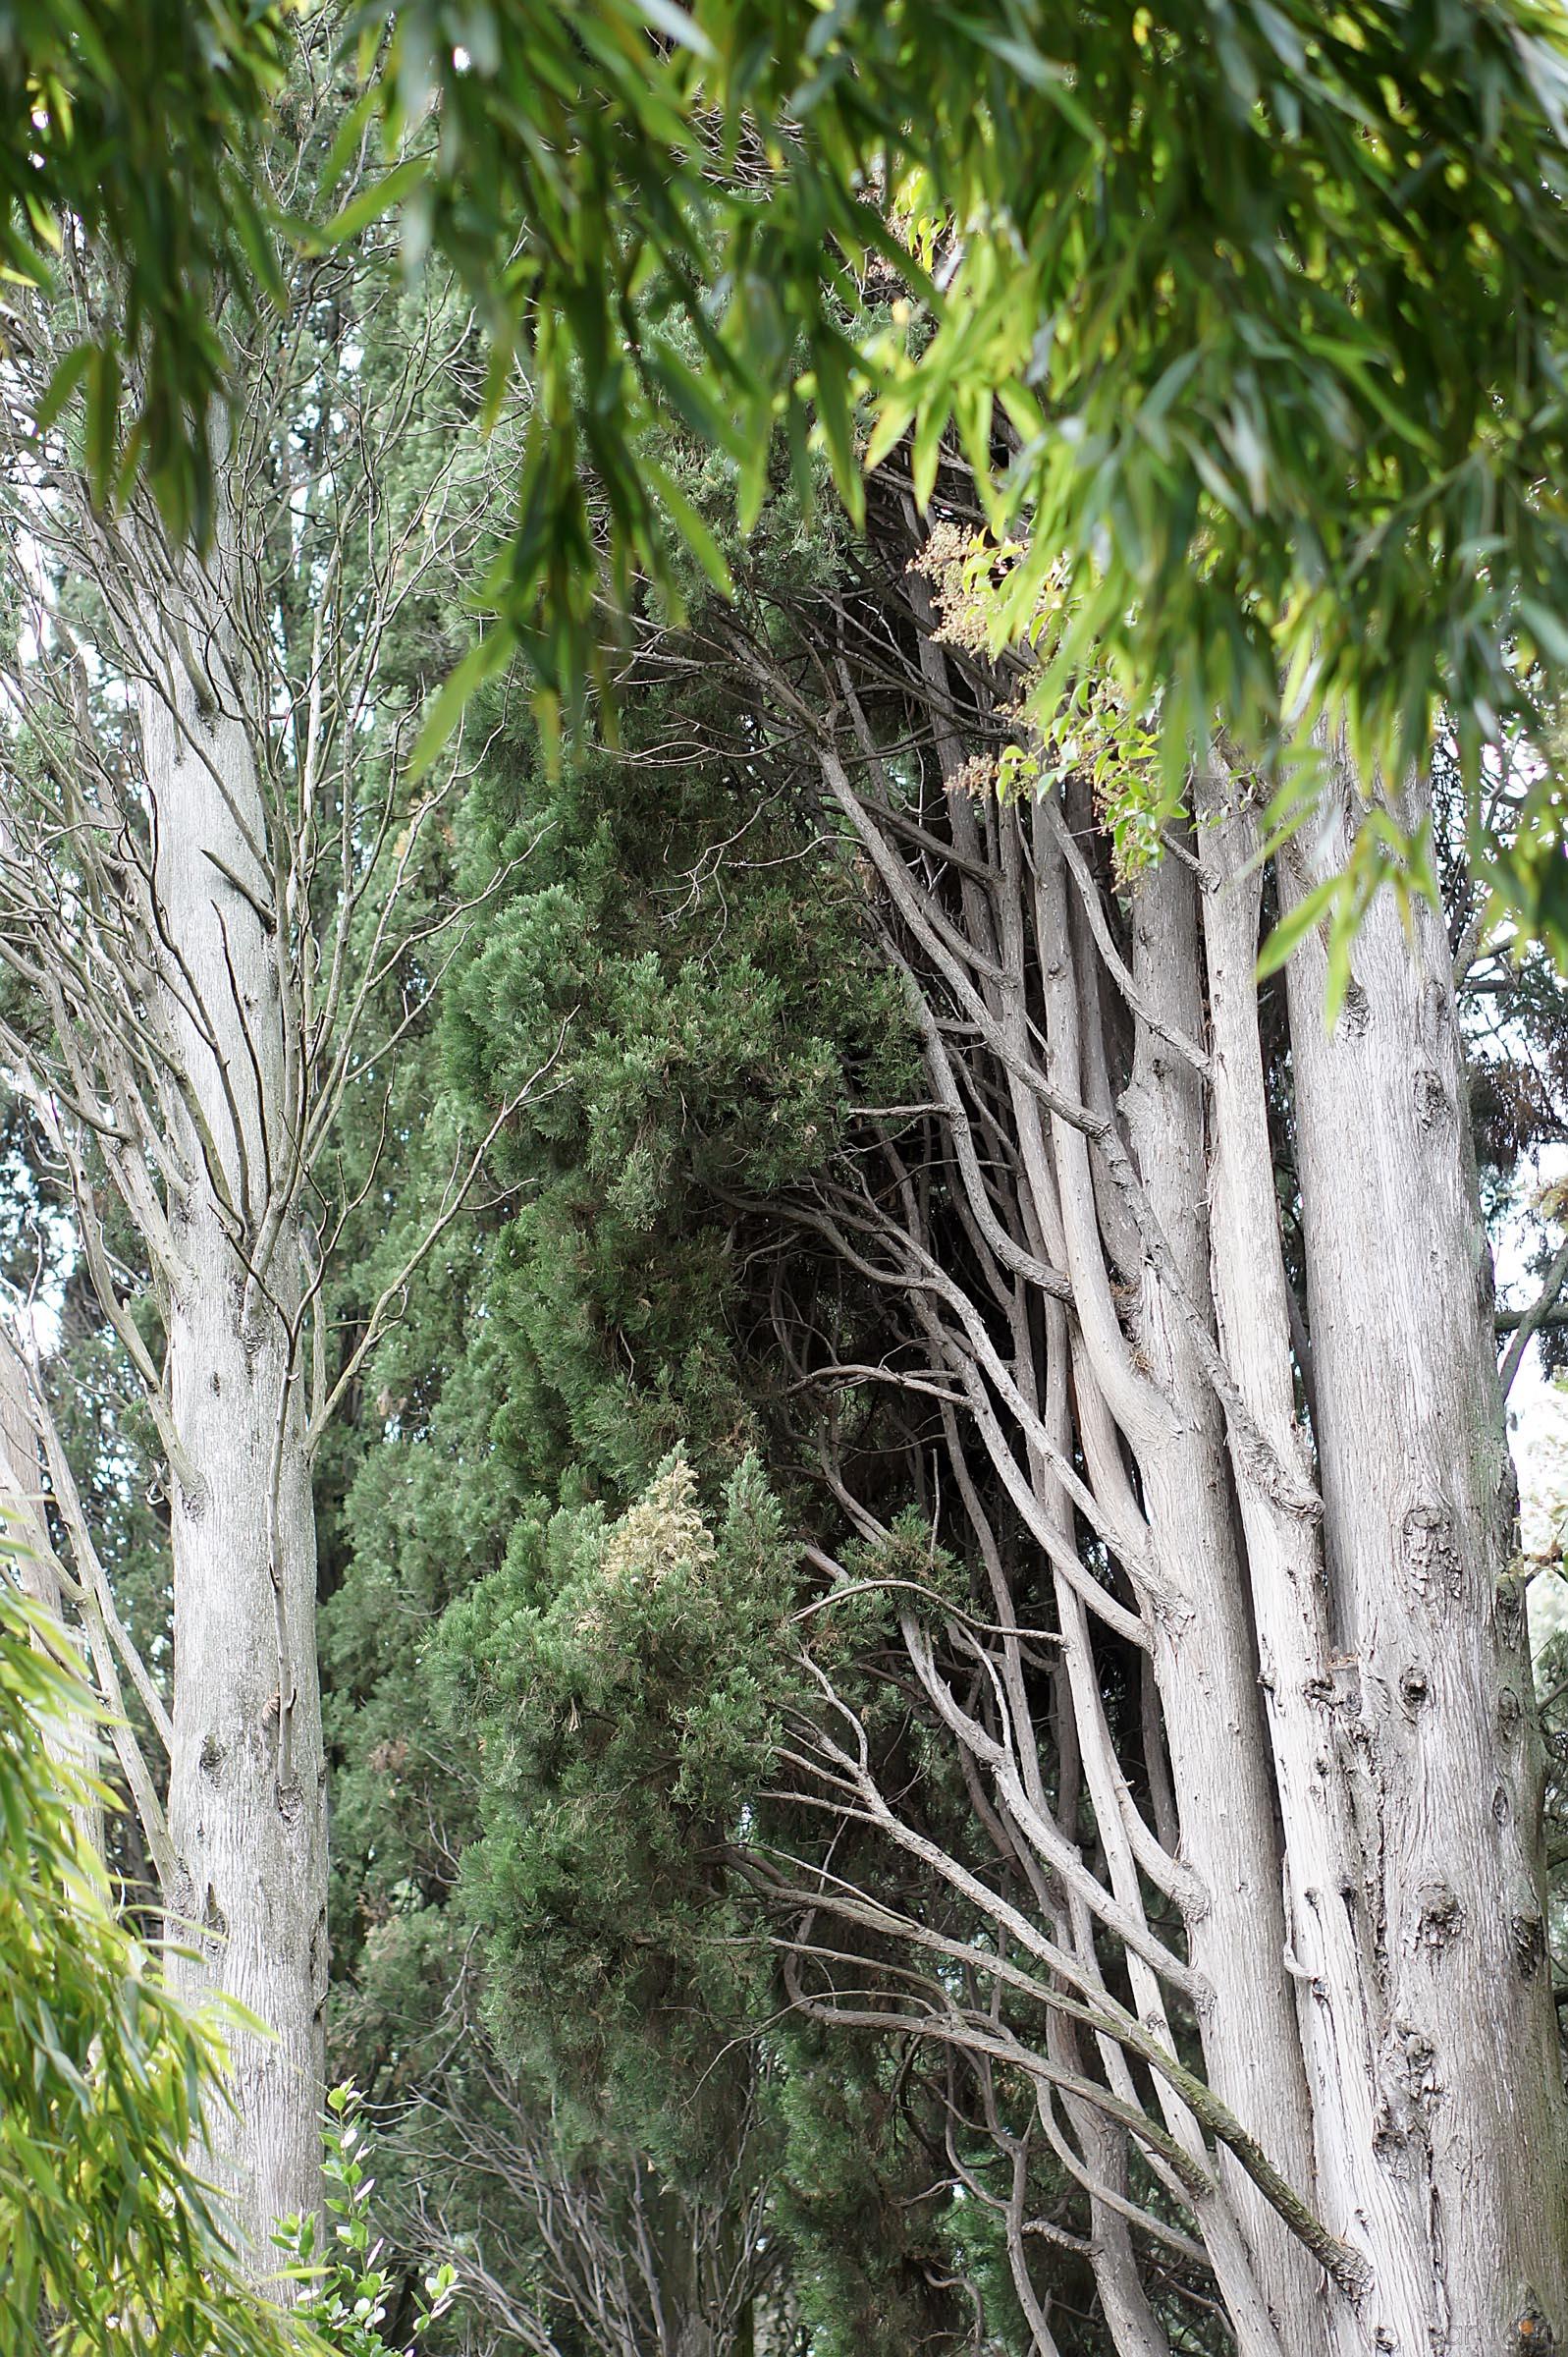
(1204, 1663)
(1465, 2184)
(219, 921)
(247, 1795)
(1326, 1954)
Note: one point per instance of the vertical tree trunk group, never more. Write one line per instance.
(1281, 1476)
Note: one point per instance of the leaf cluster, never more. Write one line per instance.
(348, 2291)
(627, 1680)
(1244, 316)
(128, 125)
(1249, 313)
(110, 2243)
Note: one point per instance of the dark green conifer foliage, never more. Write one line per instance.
(687, 945)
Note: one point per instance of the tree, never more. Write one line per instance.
(1075, 1433)
(1145, 1355)
(213, 929)
(571, 2086)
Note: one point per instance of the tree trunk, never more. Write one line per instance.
(1204, 1663)
(1324, 1954)
(1458, 2161)
(247, 1803)
(23, 1529)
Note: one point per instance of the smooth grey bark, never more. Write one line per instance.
(1204, 1661)
(213, 910)
(247, 1785)
(40, 1575)
(1325, 1954)
(211, 899)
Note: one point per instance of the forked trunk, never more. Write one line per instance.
(1205, 1661)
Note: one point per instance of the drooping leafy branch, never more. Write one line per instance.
(127, 123)
(109, 2242)
(1247, 315)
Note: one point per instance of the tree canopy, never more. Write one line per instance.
(129, 123)
(1247, 317)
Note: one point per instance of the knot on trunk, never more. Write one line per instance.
(1432, 1098)
(214, 1922)
(1433, 1563)
(1509, 1610)
(1415, 1688)
(1409, 2087)
(1439, 1917)
(1355, 1014)
(1533, 2328)
(1529, 1943)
